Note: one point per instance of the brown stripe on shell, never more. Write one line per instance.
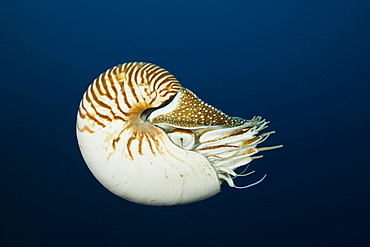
(98, 97)
(85, 129)
(128, 147)
(80, 114)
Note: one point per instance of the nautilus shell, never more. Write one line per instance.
(151, 141)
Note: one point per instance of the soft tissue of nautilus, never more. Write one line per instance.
(151, 141)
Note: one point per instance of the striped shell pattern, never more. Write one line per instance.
(151, 141)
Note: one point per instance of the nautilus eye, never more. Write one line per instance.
(151, 141)
(183, 138)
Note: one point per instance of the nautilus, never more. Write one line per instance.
(151, 141)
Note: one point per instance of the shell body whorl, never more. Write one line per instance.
(151, 141)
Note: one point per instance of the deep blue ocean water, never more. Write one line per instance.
(303, 65)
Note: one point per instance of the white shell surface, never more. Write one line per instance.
(171, 177)
(151, 141)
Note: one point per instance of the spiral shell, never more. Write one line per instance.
(151, 141)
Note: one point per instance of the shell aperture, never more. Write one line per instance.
(151, 141)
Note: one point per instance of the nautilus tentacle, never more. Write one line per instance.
(151, 141)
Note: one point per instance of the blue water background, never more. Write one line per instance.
(303, 65)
